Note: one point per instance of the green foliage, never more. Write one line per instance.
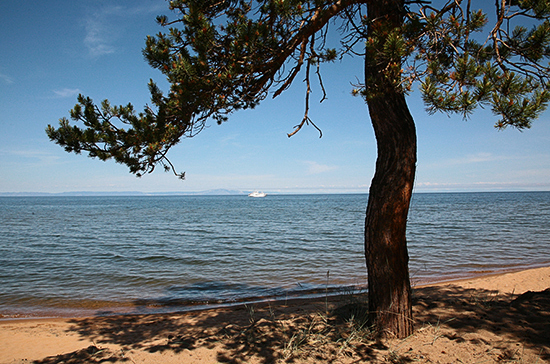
(141, 146)
(222, 56)
(459, 69)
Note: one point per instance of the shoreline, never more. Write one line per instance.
(130, 309)
(480, 274)
(495, 317)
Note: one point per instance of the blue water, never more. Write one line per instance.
(88, 255)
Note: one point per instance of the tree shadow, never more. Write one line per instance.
(524, 318)
(322, 330)
(90, 355)
(267, 331)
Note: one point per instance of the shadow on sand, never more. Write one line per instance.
(320, 330)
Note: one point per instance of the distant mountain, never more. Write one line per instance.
(222, 192)
(23, 194)
(75, 193)
(216, 192)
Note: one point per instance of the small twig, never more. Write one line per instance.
(326, 293)
(306, 119)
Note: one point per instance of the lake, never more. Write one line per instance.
(75, 256)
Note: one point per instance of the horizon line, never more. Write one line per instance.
(224, 192)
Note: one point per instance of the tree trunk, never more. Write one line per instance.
(386, 220)
(389, 289)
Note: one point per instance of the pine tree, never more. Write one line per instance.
(225, 55)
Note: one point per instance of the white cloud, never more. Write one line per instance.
(464, 160)
(6, 79)
(99, 36)
(472, 159)
(105, 25)
(477, 158)
(153, 7)
(42, 157)
(481, 186)
(232, 139)
(316, 168)
(67, 92)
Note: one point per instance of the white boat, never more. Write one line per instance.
(257, 194)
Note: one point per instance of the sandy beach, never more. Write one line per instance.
(501, 318)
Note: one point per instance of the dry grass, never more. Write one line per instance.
(453, 325)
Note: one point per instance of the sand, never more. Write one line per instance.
(490, 319)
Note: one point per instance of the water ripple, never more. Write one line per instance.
(108, 252)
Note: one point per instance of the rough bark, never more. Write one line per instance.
(389, 198)
(386, 220)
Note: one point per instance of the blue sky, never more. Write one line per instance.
(53, 50)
